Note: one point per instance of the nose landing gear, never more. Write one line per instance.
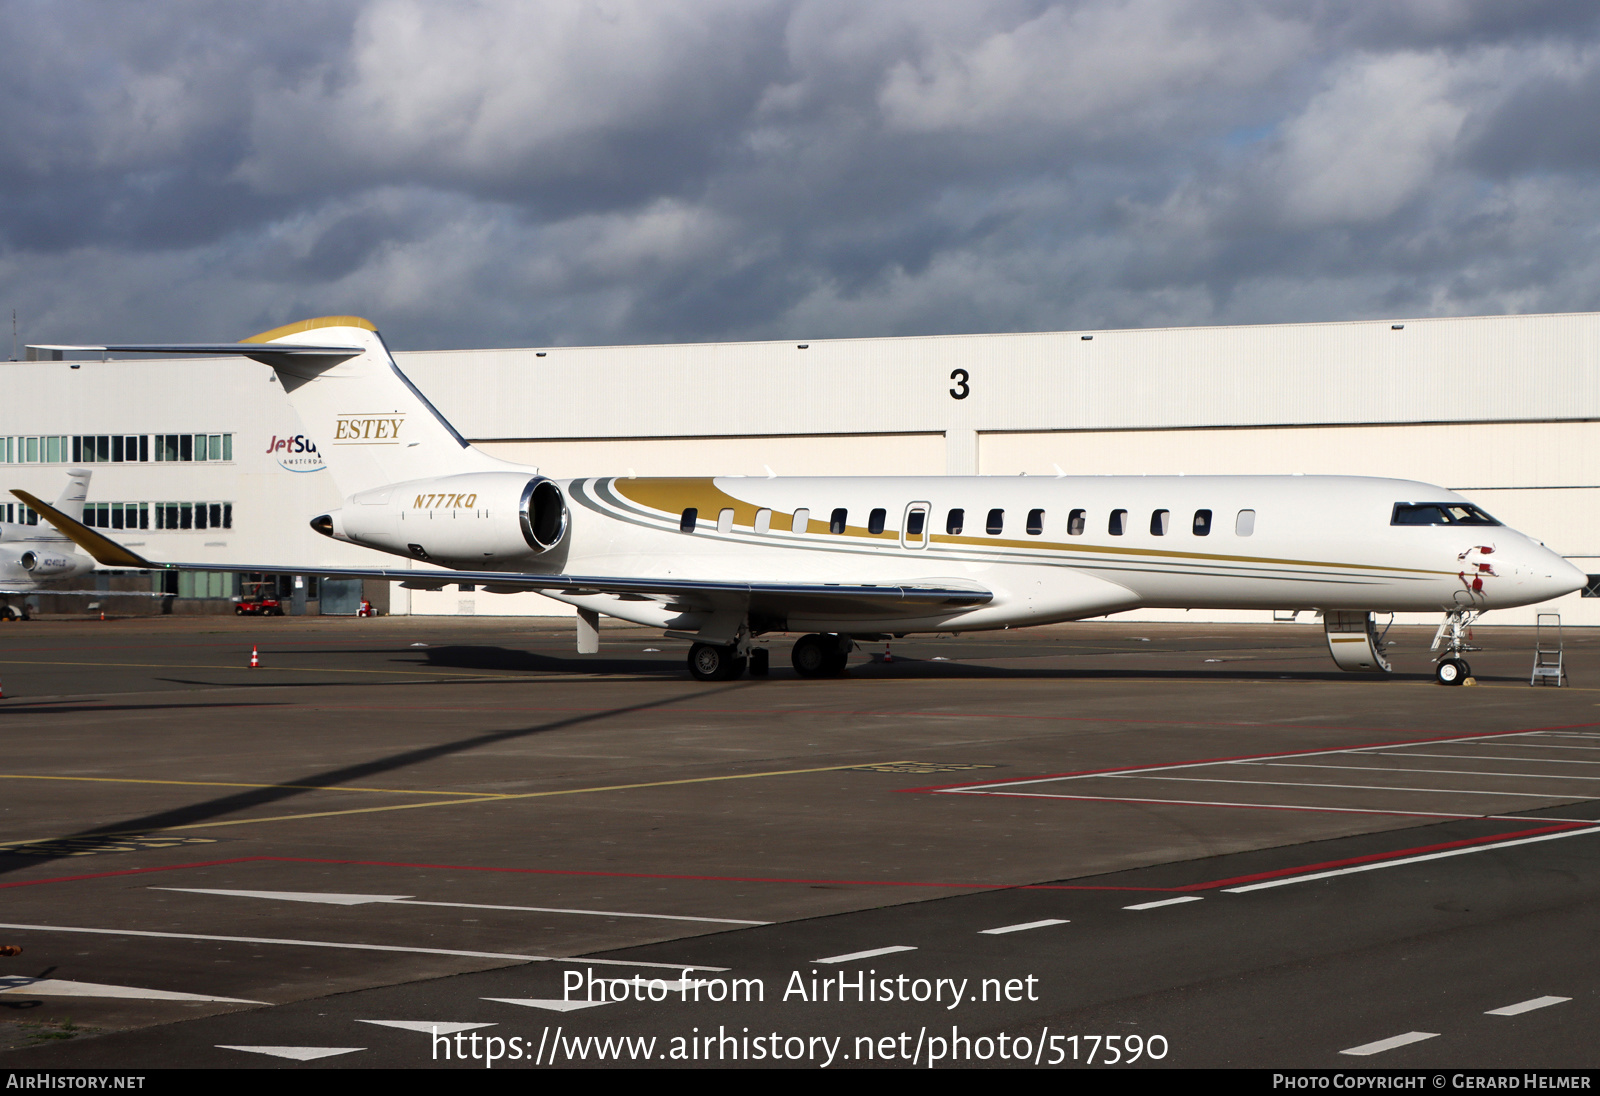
(1452, 639)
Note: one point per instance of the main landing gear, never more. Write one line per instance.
(1454, 637)
(815, 655)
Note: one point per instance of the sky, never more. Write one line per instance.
(470, 174)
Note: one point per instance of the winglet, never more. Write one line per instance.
(102, 548)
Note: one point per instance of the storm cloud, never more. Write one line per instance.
(623, 171)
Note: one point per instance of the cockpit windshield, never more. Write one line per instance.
(1439, 513)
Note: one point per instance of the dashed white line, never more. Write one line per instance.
(1024, 927)
(864, 954)
(1164, 902)
(1526, 1006)
(1389, 1044)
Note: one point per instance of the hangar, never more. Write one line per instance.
(203, 459)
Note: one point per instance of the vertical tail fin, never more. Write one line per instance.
(70, 501)
(370, 423)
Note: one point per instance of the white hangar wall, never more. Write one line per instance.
(1505, 409)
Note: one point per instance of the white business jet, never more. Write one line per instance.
(33, 555)
(719, 561)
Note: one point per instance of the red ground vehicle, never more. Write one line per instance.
(259, 599)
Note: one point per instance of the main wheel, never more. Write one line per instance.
(1452, 671)
(710, 662)
(810, 655)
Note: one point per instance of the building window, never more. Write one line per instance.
(1202, 523)
(996, 522)
(954, 522)
(837, 522)
(1118, 522)
(875, 520)
(1591, 586)
(1245, 524)
(1159, 520)
(1077, 521)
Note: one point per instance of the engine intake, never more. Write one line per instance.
(544, 514)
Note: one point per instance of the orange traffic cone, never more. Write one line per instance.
(102, 614)
(888, 655)
(255, 659)
(2, 692)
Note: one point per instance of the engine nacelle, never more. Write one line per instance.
(480, 519)
(45, 566)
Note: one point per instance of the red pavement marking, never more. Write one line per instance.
(1299, 869)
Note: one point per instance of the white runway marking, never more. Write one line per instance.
(1164, 902)
(55, 987)
(1389, 1044)
(864, 954)
(1526, 1006)
(1495, 757)
(1430, 772)
(1025, 926)
(427, 1027)
(299, 1054)
(355, 947)
(1518, 794)
(408, 900)
(1409, 860)
(297, 896)
(550, 1006)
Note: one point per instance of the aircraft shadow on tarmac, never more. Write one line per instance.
(222, 806)
(512, 660)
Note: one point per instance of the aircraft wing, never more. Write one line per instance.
(82, 593)
(775, 598)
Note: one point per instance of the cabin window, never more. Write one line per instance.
(1159, 520)
(1245, 524)
(1077, 522)
(686, 523)
(875, 520)
(1118, 522)
(955, 522)
(725, 520)
(763, 521)
(1439, 513)
(1202, 523)
(1035, 522)
(996, 522)
(915, 521)
(801, 522)
(837, 521)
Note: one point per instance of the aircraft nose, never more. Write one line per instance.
(1548, 575)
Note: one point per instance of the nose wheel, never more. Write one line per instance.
(1452, 639)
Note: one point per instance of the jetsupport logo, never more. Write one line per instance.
(296, 454)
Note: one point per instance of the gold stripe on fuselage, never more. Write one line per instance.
(671, 496)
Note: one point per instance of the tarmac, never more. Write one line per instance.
(401, 839)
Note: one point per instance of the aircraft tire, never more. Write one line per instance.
(810, 656)
(712, 662)
(1452, 671)
(759, 663)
